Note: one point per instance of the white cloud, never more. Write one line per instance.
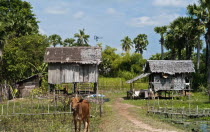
(173, 3)
(79, 15)
(160, 20)
(57, 10)
(111, 11)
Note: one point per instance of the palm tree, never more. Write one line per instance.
(170, 44)
(126, 44)
(183, 33)
(82, 38)
(55, 40)
(161, 30)
(68, 42)
(141, 43)
(201, 12)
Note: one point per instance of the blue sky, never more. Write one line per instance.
(110, 19)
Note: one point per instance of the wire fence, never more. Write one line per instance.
(30, 114)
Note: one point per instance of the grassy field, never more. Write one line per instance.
(112, 88)
(39, 115)
(193, 102)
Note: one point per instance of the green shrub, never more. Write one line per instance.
(126, 74)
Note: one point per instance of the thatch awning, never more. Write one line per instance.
(80, 55)
(169, 66)
(138, 77)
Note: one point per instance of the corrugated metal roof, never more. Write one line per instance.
(138, 77)
(81, 55)
(169, 66)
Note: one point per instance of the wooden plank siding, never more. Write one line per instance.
(69, 73)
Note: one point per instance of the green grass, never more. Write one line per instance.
(42, 123)
(111, 87)
(119, 84)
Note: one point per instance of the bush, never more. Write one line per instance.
(126, 74)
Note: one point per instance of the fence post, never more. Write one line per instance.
(48, 109)
(2, 109)
(7, 106)
(13, 107)
(197, 110)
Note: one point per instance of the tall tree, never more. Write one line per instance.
(20, 54)
(183, 34)
(68, 42)
(201, 12)
(16, 19)
(82, 38)
(126, 44)
(161, 30)
(141, 43)
(55, 40)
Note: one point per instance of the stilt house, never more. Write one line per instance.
(167, 75)
(77, 65)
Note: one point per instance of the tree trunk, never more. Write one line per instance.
(162, 50)
(207, 38)
(189, 52)
(198, 56)
(173, 54)
(179, 54)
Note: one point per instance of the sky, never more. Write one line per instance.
(111, 20)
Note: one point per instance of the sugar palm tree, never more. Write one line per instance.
(141, 43)
(161, 30)
(126, 44)
(82, 38)
(201, 12)
(68, 42)
(55, 40)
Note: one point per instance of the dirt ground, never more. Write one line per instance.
(123, 119)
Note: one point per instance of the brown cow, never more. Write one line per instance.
(81, 112)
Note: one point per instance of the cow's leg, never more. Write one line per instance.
(88, 124)
(79, 126)
(75, 125)
(85, 125)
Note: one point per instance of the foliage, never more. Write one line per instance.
(108, 58)
(21, 53)
(68, 42)
(161, 30)
(114, 65)
(126, 44)
(55, 40)
(17, 19)
(141, 43)
(201, 13)
(82, 38)
(126, 74)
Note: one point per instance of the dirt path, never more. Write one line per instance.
(122, 120)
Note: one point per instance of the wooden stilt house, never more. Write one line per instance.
(77, 65)
(167, 75)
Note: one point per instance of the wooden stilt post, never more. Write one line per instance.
(95, 87)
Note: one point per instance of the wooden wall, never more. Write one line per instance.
(172, 82)
(68, 73)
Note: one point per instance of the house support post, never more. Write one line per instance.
(95, 89)
(75, 87)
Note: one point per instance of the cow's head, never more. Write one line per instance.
(74, 103)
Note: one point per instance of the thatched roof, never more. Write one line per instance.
(138, 77)
(169, 66)
(28, 78)
(81, 55)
